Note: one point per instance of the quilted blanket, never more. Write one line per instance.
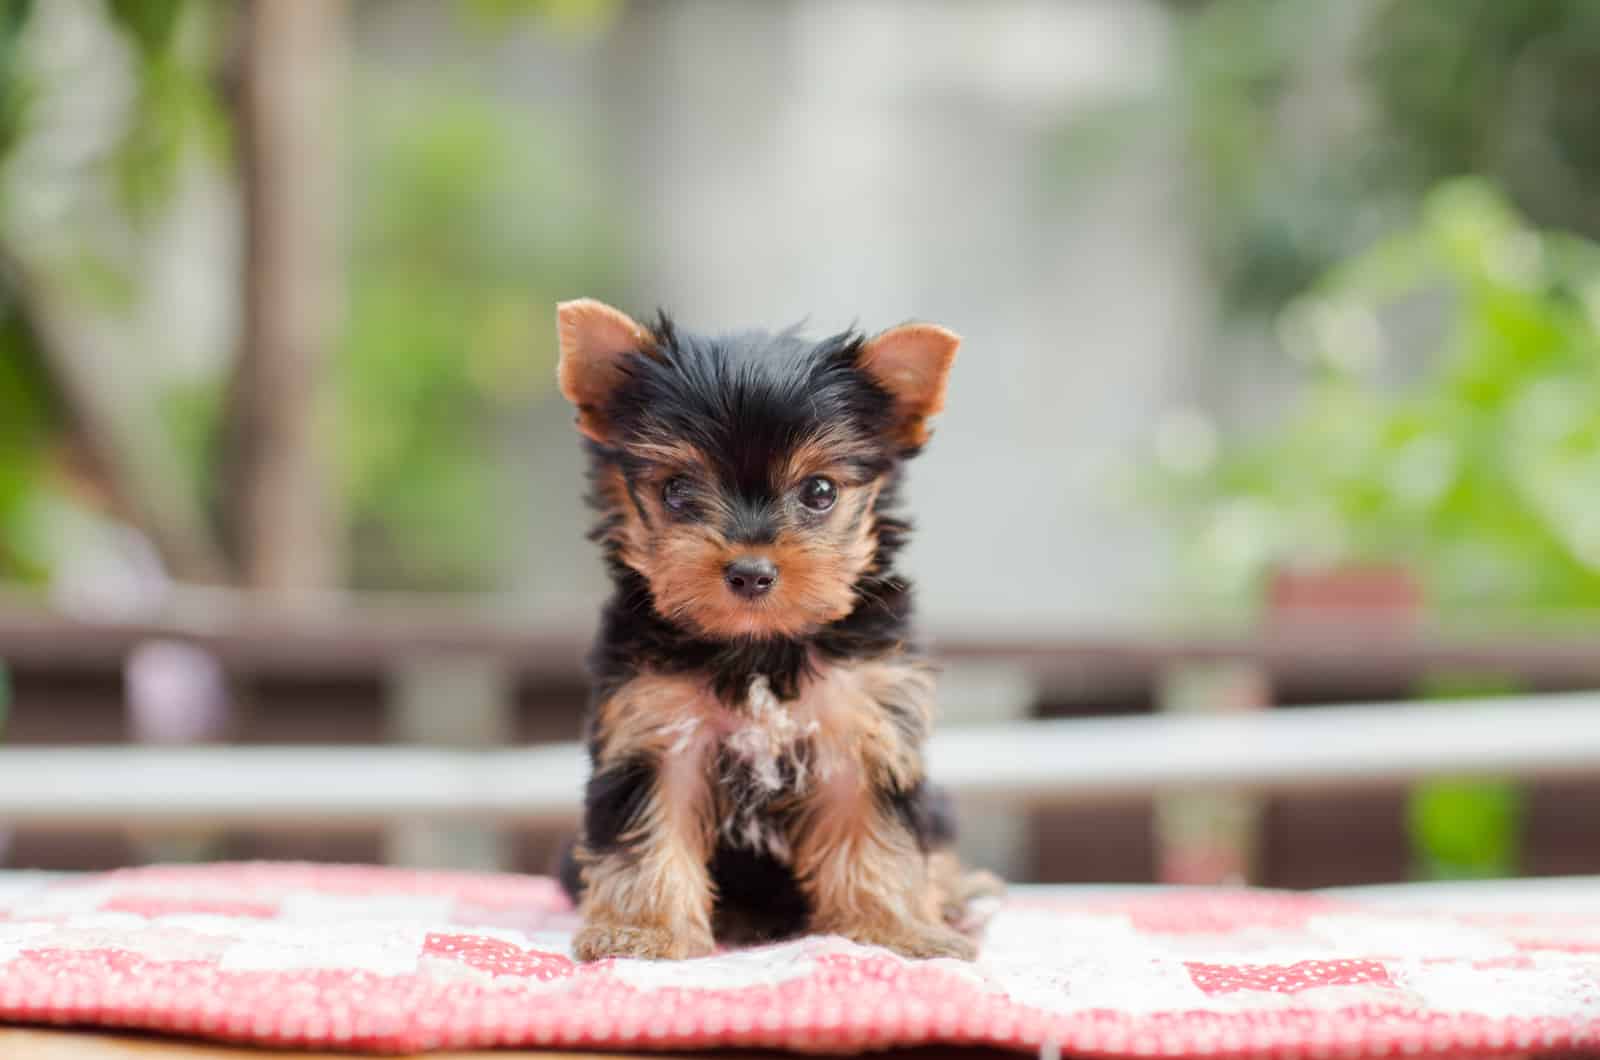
(384, 960)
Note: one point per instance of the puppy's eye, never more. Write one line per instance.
(677, 493)
(818, 493)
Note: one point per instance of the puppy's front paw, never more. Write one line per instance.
(603, 938)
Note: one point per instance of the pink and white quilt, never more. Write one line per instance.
(386, 960)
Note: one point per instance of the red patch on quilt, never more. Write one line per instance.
(150, 905)
(1217, 979)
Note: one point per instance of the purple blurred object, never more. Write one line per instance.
(176, 694)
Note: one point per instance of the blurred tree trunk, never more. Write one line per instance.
(280, 509)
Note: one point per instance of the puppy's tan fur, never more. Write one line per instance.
(859, 865)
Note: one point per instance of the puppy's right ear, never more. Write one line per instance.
(596, 341)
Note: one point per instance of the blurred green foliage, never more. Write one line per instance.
(471, 220)
(175, 105)
(572, 15)
(1313, 127)
(1450, 422)
(25, 415)
(14, 93)
(1360, 173)
(1276, 194)
(27, 427)
(1465, 827)
(1448, 364)
(467, 220)
(172, 107)
(1510, 92)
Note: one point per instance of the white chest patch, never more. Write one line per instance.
(767, 744)
(767, 755)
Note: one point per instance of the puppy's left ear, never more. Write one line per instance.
(596, 342)
(912, 362)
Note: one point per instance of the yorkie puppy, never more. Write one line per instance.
(759, 709)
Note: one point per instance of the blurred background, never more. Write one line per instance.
(1280, 383)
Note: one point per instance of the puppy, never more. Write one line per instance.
(759, 705)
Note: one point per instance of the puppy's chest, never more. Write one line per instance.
(771, 756)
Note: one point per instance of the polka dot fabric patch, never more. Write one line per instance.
(390, 961)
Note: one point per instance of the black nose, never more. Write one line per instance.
(751, 577)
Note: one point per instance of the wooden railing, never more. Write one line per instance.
(342, 633)
(452, 773)
(1022, 762)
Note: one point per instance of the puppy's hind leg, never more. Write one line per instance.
(868, 879)
(967, 899)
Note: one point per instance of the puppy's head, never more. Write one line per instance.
(742, 476)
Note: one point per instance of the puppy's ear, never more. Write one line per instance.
(596, 341)
(912, 362)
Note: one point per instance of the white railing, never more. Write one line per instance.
(1021, 762)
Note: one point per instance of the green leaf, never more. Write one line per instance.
(150, 24)
(15, 92)
(175, 108)
(1465, 828)
(454, 279)
(575, 15)
(1482, 474)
